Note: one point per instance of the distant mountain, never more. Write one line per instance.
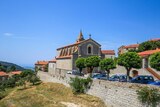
(8, 64)
(29, 67)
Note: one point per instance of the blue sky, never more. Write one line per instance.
(32, 30)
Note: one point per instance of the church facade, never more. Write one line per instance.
(67, 55)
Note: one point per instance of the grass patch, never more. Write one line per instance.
(48, 95)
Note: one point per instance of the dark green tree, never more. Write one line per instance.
(130, 60)
(91, 62)
(34, 79)
(148, 45)
(107, 64)
(27, 72)
(155, 61)
(80, 63)
(12, 68)
(2, 68)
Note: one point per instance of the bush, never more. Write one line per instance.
(34, 79)
(80, 85)
(10, 83)
(2, 94)
(149, 96)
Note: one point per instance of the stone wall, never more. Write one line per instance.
(64, 63)
(114, 94)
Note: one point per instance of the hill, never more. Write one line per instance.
(8, 64)
(49, 95)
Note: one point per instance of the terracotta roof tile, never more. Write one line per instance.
(157, 39)
(75, 44)
(132, 46)
(41, 63)
(16, 72)
(149, 52)
(3, 73)
(108, 52)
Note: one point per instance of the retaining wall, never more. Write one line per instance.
(114, 94)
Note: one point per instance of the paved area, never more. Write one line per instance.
(45, 77)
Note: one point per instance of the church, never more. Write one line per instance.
(67, 55)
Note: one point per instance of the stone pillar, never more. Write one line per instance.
(143, 63)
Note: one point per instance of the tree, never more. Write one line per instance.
(80, 63)
(130, 60)
(148, 45)
(12, 68)
(33, 79)
(155, 61)
(107, 64)
(91, 62)
(2, 68)
(26, 72)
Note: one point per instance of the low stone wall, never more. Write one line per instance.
(114, 94)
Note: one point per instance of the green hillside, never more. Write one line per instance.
(8, 65)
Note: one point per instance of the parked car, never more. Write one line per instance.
(114, 78)
(75, 72)
(100, 76)
(157, 83)
(143, 79)
(119, 77)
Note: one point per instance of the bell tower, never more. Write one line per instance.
(80, 37)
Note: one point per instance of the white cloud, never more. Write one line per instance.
(8, 34)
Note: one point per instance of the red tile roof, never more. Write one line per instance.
(41, 63)
(16, 72)
(149, 52)
(157, 39)
(108, 52)
(64, 57)
(75, 44)
(132, 46)
(53, 61)
(3, 73)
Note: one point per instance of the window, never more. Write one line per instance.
(89, 50)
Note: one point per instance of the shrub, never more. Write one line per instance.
(149, 96)
(2, 94)
(34, 79)
(80, 85)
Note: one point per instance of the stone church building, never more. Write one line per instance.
(67, 55)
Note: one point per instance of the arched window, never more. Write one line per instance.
(89, 50)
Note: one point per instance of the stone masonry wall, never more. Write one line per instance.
(114, 94)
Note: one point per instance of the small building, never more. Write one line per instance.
(108, 53)
(52, 66)
(124, 49)
(41, 65)
(3, 76)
